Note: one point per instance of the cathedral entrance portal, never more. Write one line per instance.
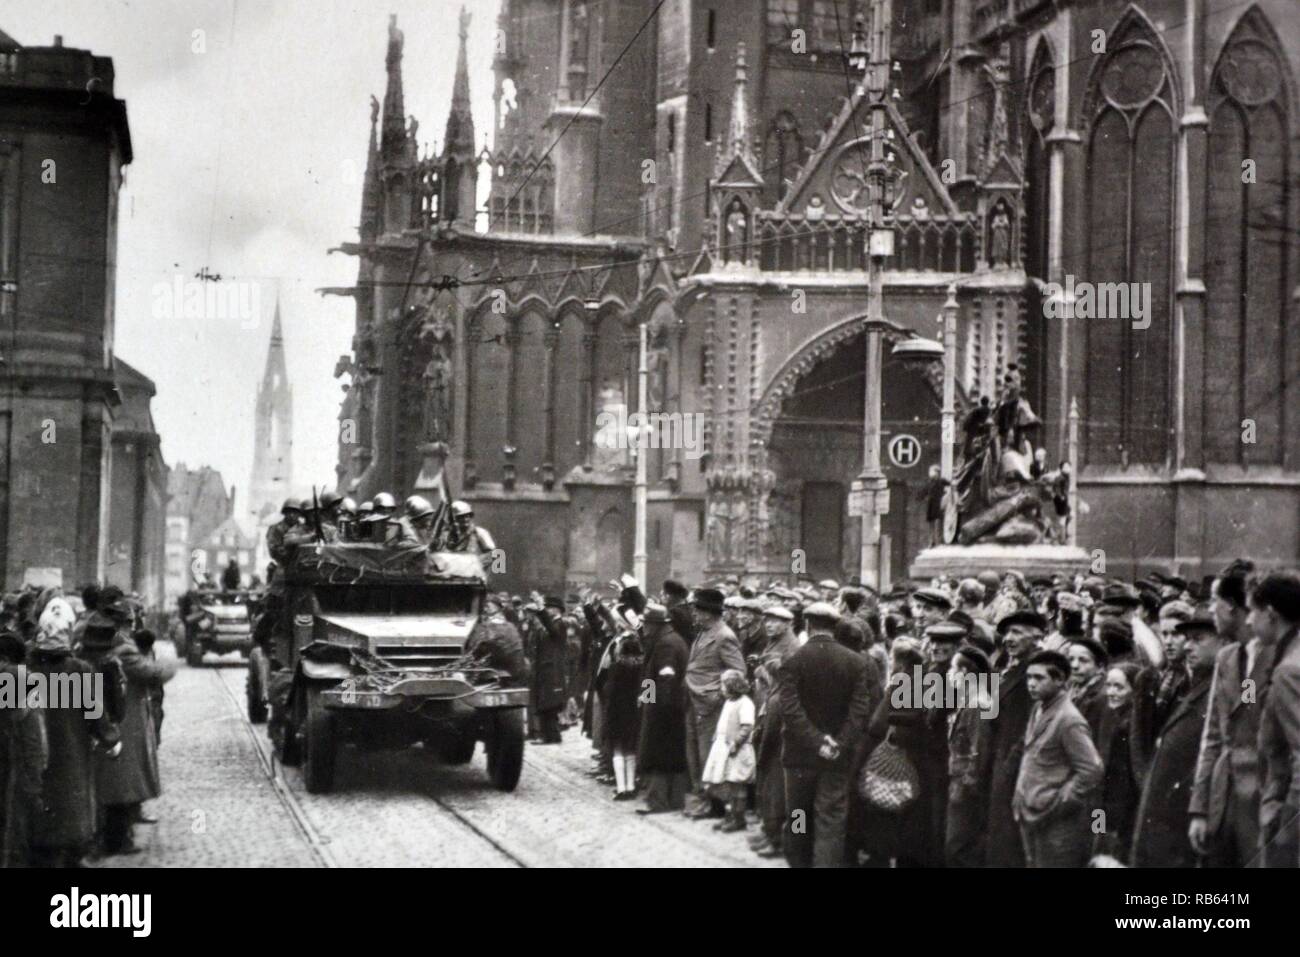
(815, 453)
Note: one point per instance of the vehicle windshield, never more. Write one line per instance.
(383, 599)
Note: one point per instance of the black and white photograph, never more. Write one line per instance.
(651, 434)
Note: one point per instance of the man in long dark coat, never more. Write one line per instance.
(1160, 838)
(825, 694)
(769, 778)
(661, 750)
(550, 668)
(124, 783)
(1004, 743)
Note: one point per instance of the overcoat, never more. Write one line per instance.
(1160, 837)
(662, 744)
(132, 777)
(999, 758)
(68, 819)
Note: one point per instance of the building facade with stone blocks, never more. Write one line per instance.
(64, 141)
(136, 560)
(715, 187)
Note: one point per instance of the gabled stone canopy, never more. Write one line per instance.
(835, 169)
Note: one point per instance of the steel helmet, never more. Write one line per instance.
(330, 499)
(307, 505)
(290, 505)
(366, 507)
(384, 500)
(417, 506)
(348, 505)
(460, 509)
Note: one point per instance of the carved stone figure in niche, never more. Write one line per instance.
(436, 379)
(437, 397)
(726, 529)
(997, 143)
(1000, 241)
(737, 233)
(609, 445)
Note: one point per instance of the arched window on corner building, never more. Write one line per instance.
(1131, 111)
(1248, 229)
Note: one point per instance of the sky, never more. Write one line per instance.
(250, 142)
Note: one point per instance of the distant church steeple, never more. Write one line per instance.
(272, 430)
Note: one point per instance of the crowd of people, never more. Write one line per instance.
(1074, 721)
(79, 746)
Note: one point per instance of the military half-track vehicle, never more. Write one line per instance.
(373, 655)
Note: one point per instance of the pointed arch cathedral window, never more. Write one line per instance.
(1130, 109)
(1246, 268)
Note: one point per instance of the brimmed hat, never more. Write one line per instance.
(708, 599)
(824, 611)
(655, 614)
(1202, 620)
(778, 611)
(933, 597)
(553, 601)
(1121, 596)
(945, 631)
(1030, 619)
(829, 583)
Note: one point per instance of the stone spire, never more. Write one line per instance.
(393, 141)
(459, 161)
(738, 139)
(371, 194)
(738, 147)
(458, 142)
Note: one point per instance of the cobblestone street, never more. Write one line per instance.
(222, 806)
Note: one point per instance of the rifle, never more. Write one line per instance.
(315, 515)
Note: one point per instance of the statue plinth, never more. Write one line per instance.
(966, 561)
(433, 459)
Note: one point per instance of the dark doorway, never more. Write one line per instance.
(822, 524)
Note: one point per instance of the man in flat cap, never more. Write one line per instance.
(1019, 634)
(825, 703)
(1122, 602)
(1060, 770)
(715, 650)
(1161, 835)
(769, 781)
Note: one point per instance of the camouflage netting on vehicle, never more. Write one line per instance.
(354, 563)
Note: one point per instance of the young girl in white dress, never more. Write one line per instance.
(730, 765)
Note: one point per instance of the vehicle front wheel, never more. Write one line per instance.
(505, 748)
(320, 747)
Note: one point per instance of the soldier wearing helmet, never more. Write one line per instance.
(347, 519)
(382, 512)
(465, 535)
(415, 527)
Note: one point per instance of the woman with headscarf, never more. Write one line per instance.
(123, 784)
(65, 829)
